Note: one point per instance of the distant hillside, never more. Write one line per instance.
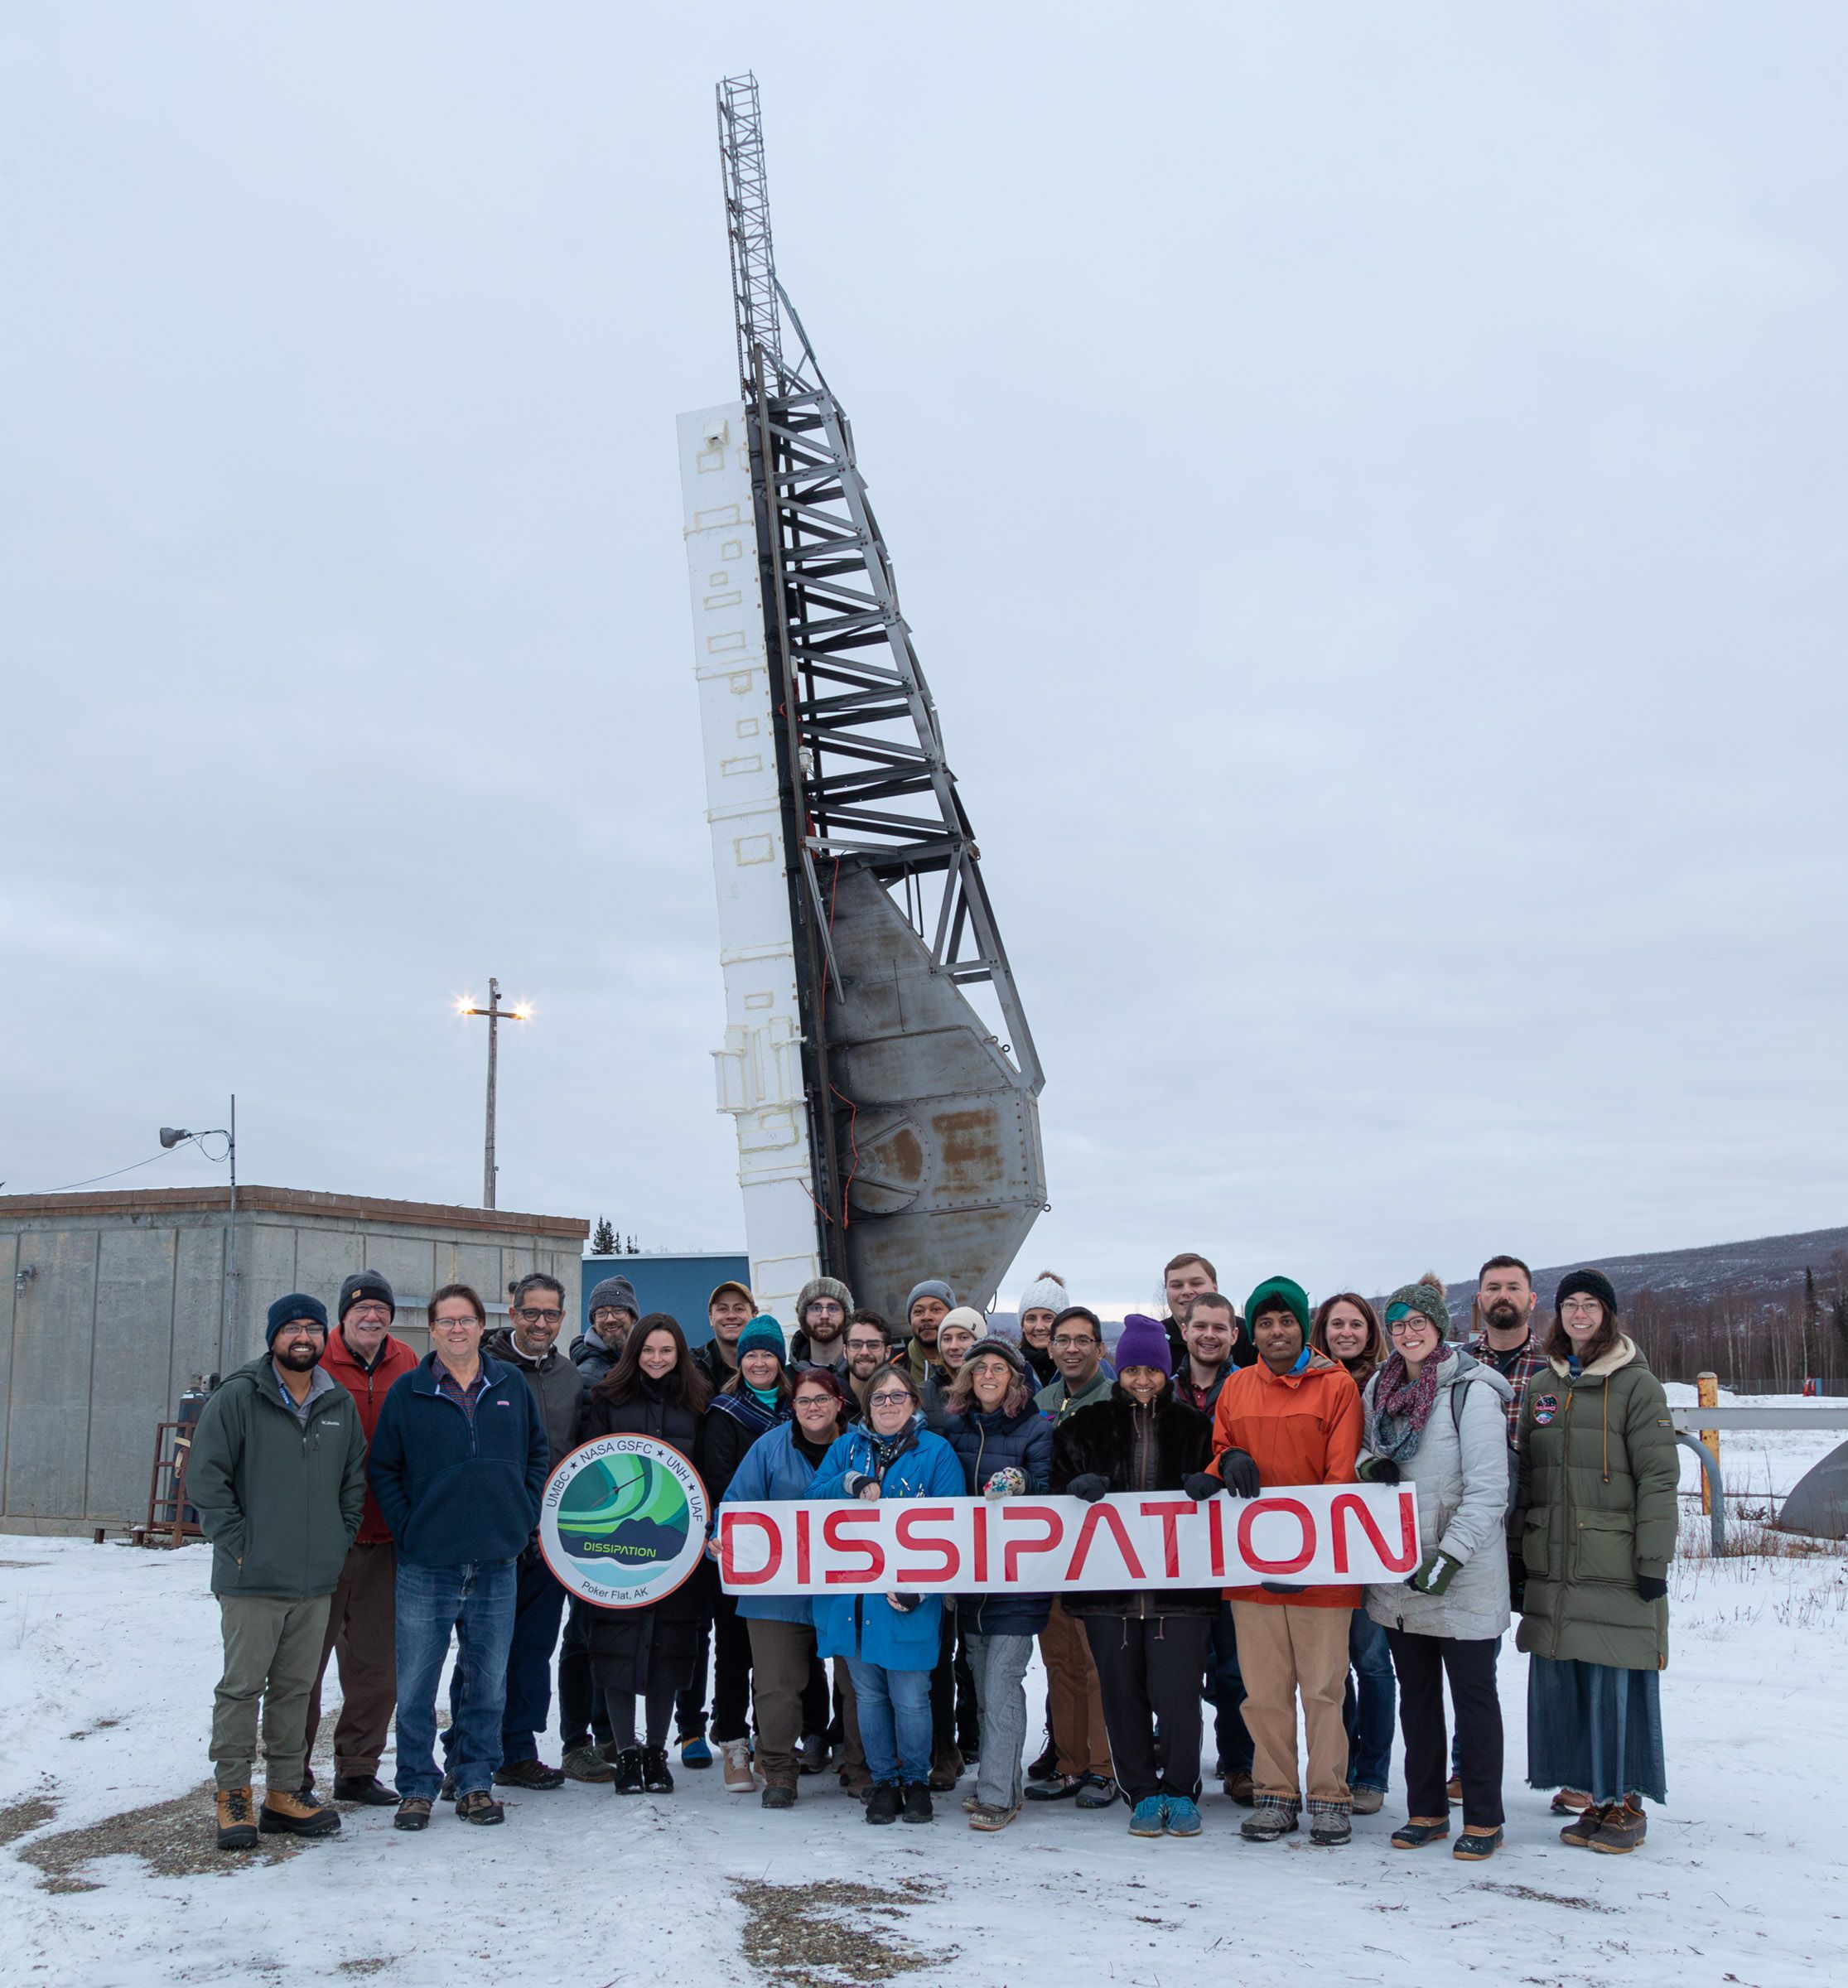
(1771, 1263)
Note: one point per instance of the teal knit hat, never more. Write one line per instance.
(1291, 1293)
(1425, 1296)
(763, 1335)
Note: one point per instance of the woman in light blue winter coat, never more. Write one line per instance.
(889, 1640)
(782, 1464)
(1437, 1418)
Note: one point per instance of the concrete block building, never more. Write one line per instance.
(111, 1303)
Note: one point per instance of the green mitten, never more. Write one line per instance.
(1435, 1574)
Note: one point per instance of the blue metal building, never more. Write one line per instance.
(679, 1285)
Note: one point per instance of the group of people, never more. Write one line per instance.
(370, 1507)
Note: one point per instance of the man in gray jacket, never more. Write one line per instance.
(557, 1387)
(278, 1476)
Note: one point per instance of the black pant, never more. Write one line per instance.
(1422, 1664)
(582, 1711)
(690, 1706)
(1148, 1672)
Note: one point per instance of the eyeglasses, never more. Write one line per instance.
(1062, 1345)
(371, 1314)
(1416, 1323)
(605, 1314)
(891, 1398)
(869, 1345)
(1582, 1308)
(533, 1316)
(297, 1326)
(815, 1401)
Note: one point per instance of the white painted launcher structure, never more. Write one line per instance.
(886, 1131)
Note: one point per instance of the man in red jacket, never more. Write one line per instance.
(365, 1358)
(1293, 1418)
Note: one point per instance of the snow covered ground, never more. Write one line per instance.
(108, 1657)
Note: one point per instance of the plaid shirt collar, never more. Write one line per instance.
(465, 1398)
(1517, 1372)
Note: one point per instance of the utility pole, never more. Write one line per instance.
(496, 1015)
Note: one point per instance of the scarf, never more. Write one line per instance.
(750, 1408)
(1402, 1405)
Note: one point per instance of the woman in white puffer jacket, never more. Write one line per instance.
(1437, 1418)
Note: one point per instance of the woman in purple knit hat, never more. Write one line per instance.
(1149, 1646)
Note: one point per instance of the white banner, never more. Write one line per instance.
(1310, 1535)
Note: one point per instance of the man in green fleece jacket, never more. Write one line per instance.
(278, 1476)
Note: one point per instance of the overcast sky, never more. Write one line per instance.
(1367, 482)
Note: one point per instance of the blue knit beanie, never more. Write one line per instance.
(298, 1304)
(763, 1335)
(1143, 1342)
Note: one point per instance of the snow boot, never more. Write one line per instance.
(1415, 1831)
(237, 1822)
(413, 1812)
(1240, 1788)
(586, 1764)
(1329, 1824)
(479, 1807)
(1578, 1833)
(656, 1780)
(1477, 1845)
(917, 1801)
(1273, 1818)
(780, 1794)
(882, 1802)
(287, 1812)
(1369, 1800)
(625, 1777)
(989, 1816)
(694, 1752)
(1570, 1801)
(366, 1789)
(1622, 1829)
(739, 1779)
(529, 1773)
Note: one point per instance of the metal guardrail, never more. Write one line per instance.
(1834, 1416)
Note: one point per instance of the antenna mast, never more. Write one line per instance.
(747, 220)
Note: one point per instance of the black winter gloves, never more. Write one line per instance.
(1090, 1486)
(1377, 1470)
(1240, 1474)
(1281, 1587)
(1199, 1486)
(1651, 1588)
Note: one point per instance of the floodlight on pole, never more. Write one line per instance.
(519, 1012)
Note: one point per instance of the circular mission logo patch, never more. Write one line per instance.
(623, 1521)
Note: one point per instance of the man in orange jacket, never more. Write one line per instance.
(364, 1356)
(1293, 1418)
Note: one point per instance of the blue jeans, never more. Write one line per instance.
(475, 1600)
(526, 1709)
(894, 1721)
(1369, 1704)
(1227, 1694)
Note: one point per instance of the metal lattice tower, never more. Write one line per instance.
(747, 215)
(922, 1126)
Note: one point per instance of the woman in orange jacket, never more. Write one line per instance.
(1293, 1418)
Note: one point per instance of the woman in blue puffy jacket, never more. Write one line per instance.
(889, 1641)
(782, 1464)
(1003, 1444)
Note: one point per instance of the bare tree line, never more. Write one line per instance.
(1768, 1339)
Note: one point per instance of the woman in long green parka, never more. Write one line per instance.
(1595, 1515)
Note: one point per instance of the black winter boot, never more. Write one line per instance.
(882, 1802)
(656, 1780)
(628, 1778)
(917, 1801)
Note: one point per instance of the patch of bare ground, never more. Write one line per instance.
(1540, 1897)
(21, 1817)
(175, 1839)
(833, 1933)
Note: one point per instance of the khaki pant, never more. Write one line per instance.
(1074, 1705)
(780, 1652)
(1283, 1652)
(271, 1646)
(362, 1630)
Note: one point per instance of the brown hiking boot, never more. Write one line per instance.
(1240, 1789)
(287, 1811)
(1622, 1829)
(1570, 1801)
(237, 1821)
(1578, 1833)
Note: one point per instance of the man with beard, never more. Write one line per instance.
(820, 1337)
(529, 1344)
(930, 1304)
(278, 1474)
(869, 1343)
(613, 1311)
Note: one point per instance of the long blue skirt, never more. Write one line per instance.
(1593, 1727)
